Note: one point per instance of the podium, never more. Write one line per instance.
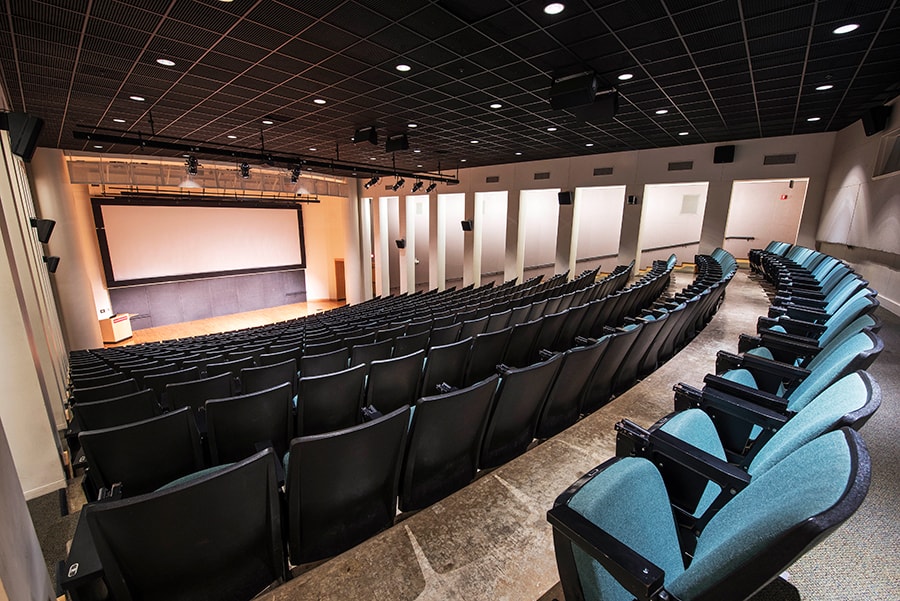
(116, 328)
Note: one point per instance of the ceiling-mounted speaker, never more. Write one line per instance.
(724, 154)
(401, 243)
(23, 133)
(573, 90)
(366, 134)
(44, 228)
(565, 197)
(602, 110)
(467, 225)
(52, 263)
(875, 119)
(396, 142)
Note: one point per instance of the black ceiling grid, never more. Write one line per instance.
(703, 71)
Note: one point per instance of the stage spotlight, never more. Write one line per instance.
(430, 187)
(295, 173)
(375, 179)
(44, 228)
(192, 164)
(245, 170)
(398, 184)
(417, 186)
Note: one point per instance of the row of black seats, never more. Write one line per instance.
(717, 499)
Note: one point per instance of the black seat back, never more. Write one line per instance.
(239, 426)
(330, 402)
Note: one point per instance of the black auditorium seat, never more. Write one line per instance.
(116, 411)
(410, 343)
(158, 382)
(374, 351)
(325, 363)
(599, 390)
(104, 391)
(445, 335)
(241, 425)
(393, 383)
(444, 442)
(445, 364)
(195, 393)
(330, 401)
(254, 379)
(522, 341)
(485, 355)
(341, 486)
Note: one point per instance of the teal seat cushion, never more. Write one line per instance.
(694, 427)
(193, 476)
(629, 501)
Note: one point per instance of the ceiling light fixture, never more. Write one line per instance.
(518, 154)
(683, 133)
(411, 125)
(267, 122)
(813, 119)
(473, 141)
(231, 137)
(403, 68)
(589, 144)
(165, 62)
(398, 184)
(319, 100)
(551, 129)
(823, 87)
(118, 120)
(98, 146)
(496, 105)
(417, 186)
(662, 111)
(463, 160)
(417, 150)
(554, 8)
(137, 98)
(375, 179)
(430, 187)
(245, 170)
(625, 76)
(846, 28)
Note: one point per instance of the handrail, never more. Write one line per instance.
(679, 245)
(740, 238)
(584, 259)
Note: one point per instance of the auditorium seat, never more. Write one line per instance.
(485, 354)
(473, 327)
(230, 366)
(410, 343)
(254, 379)
(104, 391)
(158, 382)
(498, 320)
(330, 401)
(239, 426)
(600, 391)
(627, 373)
(448, 334)
(326, 363)
(116, 411)
(444, 441)
(521, 350)
(374, 351)
(445, 364)
(393, 383)
(341, 487)
(194, 394)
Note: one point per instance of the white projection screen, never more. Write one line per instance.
(144, 243)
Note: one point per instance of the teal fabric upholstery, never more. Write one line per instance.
(828, 370)
(194, 476)
(810, 481)
(694, 427)
(628, 500)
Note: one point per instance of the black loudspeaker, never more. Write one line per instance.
(23, 132)
(631, 199)
(602, 110)
(573, 90)
(396, 142)
(565, 197)
(44, 228)
(401, 243)
(467, 225)
(366, 134)
(875, 119)
(724, 154)
(52, 263)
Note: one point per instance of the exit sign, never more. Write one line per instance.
(784, 197)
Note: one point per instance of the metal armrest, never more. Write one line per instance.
(633, 571)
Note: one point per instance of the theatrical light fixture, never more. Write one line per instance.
(44, 228)
(191, 164)
(295, 173)
(245, 170)
(375, 179)
(430, 187)
(398, 184)
(417, 186)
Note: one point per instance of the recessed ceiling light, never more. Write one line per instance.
(319, 101)
(462, 160)
(313, 149)
(554, 8)
(474, 141)
(231, 137)
(373, 159)
(846, 28)
(412, 125)
(823, 87)
(418, 166)
(813, 119)
(625, 76)
(137, 98)
(518, 154)
(119, 120)
(403, 68)
(496, 105)
(267, 122)
(589, 144)
(551, 129)
(165, 62)
(683, 133)
(662, 111)
(417, 150)
(98, 146)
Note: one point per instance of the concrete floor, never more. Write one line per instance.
(491, 541)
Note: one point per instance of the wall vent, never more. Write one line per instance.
(542, 175)
(603, 171)
(681, 166)
(780, 159)
(492, 179)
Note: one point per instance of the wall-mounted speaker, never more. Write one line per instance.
(401, 243)
(631, 199)
(565, 197)
(467, 225)
(44, 228)
(23, 132)
(52, 263)
(396, 142)
(724, 154)
(875, 119)
(366, 134)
